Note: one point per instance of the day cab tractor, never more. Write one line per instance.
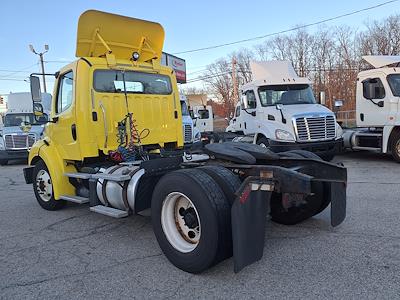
(114, 141)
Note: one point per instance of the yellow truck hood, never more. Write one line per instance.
(101, 34)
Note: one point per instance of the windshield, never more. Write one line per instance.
(185, 111)
(394, 83)
(18, 119)
(112, 81)
(286, 94)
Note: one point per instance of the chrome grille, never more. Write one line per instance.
(187, 133)
(315, 128)
(19, 141)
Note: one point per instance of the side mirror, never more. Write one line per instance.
(381, 103)
(369, 91)
(35, 89)
(37, 109)
(245, 104)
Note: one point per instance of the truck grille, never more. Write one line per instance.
(315, 128)
(19, 141)
(187, 133)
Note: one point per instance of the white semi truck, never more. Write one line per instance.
(20, 128)
(377, 108)
(278, 110)
(190, 133)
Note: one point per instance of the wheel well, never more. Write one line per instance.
(260, 135)
(35, 160)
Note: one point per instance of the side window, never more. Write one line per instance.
(203, 114)
(373, 89)
(251, 99)
(65, 92)
(237, 113)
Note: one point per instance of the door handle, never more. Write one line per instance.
(73, 131)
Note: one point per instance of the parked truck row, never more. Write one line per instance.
(114, 141)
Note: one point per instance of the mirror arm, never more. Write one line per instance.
(377, 104)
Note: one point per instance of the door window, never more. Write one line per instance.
(373, 89)
(65, 92)
(237, 113)
(251, 99)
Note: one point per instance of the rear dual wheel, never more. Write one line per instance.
(191, 219)
(283, 212)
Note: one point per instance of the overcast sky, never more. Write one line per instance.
(188, 25)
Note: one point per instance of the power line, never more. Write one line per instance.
(287, 30)
(17, 71)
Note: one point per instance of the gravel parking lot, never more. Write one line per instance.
(74, 253)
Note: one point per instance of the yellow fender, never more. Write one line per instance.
(43, 150)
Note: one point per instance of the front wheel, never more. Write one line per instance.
(191, 220)
(395, 147)
(263, 142)
(43, 188)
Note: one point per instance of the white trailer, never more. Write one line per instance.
(377, 108)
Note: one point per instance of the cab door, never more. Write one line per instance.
(248, 116)
(374, 109)
(63, 132)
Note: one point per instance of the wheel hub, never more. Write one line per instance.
(44, 186)
(180, 222)
(189, 216)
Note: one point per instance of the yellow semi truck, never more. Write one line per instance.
(114, 141)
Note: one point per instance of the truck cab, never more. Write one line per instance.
(20, 128)
(190, 133)
(377, 107)
(278, 108)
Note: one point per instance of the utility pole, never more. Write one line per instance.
(234, 81)
(46, 49)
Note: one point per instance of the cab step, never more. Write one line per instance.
(109, 211)
(111, 177)
(75, 199)
(78, 175)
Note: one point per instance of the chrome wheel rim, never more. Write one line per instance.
(44, 185)
(262, 145)
(180, 222)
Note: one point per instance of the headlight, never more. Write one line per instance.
(197, 135)
(339, 131)
(283, 135)
(2, 147)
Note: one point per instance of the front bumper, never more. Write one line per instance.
(320, 148)
(13, 154)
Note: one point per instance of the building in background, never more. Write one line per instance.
(3, 103)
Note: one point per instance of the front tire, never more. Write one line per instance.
(191, 220)
(43, 188)
(263, 142)
(395, 146)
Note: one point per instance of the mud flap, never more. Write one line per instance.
(249, 215)
(338, 203)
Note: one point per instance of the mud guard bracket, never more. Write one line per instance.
(249, 215)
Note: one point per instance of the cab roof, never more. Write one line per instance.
(379, 61)
(100, 34)
(277, 72)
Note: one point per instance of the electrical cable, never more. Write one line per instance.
(286, 30)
